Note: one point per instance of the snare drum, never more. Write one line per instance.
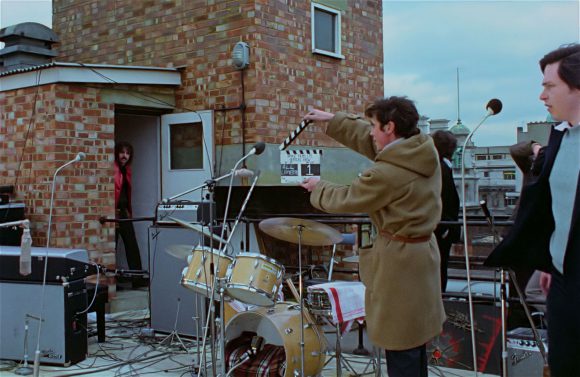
(197, 275)
(254, 279)
(318, 302)
(280, 325)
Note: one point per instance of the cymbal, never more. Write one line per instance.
(313, 232)
(180, 251)
(198, 228)
(351, 259)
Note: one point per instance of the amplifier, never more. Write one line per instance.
(192, 212)
(524, 357)
(63, 264)
(63, 336)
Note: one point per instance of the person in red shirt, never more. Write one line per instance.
(123, 159)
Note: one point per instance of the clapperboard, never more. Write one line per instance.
(298, 164)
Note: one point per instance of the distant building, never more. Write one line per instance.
(490, 172)
(496, 175)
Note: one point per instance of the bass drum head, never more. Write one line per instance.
(280, 326)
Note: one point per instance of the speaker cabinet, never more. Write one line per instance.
(453, 347)
(172, 306)
(63, 337)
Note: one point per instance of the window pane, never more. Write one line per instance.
(509, 174)
(324, 30)
(186, 146)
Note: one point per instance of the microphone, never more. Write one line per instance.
(258, 148)
(79, 157)
(25, 253)
(256, 345)
(486, 213)
(494, 106)
(244, 173)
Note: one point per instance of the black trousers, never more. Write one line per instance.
(563, 306)
(127, 233)
(444, 245)
(407, 363)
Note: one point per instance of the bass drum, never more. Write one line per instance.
(280, 325)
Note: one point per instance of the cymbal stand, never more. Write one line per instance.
(301, 294)
(168, 340)
(197, 360)
(216, 282)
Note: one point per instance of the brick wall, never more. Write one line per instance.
(284, 78)
(43, 128)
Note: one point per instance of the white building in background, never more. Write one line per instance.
(490, 172)
(496, 176)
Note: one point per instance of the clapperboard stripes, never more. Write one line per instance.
(294, 134)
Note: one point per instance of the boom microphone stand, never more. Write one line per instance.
(504, 300)
(79, 157)
(493, 107)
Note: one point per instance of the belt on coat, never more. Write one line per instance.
(395, 237)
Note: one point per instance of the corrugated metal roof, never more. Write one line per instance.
(81, 65)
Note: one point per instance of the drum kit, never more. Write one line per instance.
(255, 279)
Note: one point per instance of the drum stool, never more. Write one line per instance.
(98, 306)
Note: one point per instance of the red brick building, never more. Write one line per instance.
(147, 61)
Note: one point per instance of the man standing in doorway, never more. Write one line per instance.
(123, 188)
(546, 232)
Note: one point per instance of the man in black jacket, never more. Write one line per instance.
(446, 142)
(546, 232)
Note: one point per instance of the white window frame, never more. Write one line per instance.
(338, 30)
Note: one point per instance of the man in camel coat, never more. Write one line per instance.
(401, 194)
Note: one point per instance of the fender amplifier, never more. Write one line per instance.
(192, 212)
(524, 357)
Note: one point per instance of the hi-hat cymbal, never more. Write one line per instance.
(198, 228)
(351, 259)
(180, 251)
(313, 232)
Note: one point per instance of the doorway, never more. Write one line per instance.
(143, 133)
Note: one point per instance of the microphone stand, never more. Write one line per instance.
(504, 300)
(465, 246)
(210, 184)
(211, 316)
(79, 157)
(503, 291)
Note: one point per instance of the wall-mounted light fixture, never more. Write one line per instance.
(241, 55)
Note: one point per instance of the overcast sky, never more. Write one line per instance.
(495, 44)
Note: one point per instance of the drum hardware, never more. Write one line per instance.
(278, 326)
(213, 275)
(305, 232)
(351, 259)
(182, 252)
(173, 335)
(200, 229)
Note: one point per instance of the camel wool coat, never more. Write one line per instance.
(401, 193)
